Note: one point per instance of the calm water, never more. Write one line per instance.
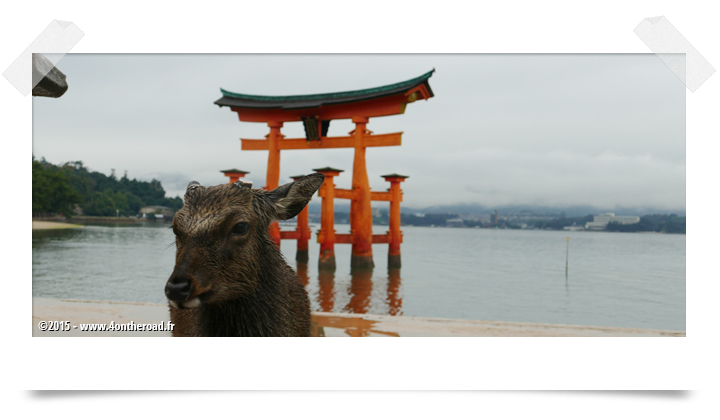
(614, 279)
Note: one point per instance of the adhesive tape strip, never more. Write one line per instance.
(54, 42)
(675, 51)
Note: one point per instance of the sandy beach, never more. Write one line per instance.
(79, 312)
(37, 224)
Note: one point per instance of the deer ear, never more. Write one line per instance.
(192, 188)
(290, 199)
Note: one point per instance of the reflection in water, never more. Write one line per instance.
(394, 299)
(326, 294)
(359, 297)
(567, 287)
(360, 290)
(302, 272)
(43, 237)
(354, 327)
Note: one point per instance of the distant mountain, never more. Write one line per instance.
(569, 211)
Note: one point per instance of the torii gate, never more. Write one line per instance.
(316, 112)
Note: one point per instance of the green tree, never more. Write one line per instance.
(52, 191)
(101, 195)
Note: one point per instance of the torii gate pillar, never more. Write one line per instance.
(273, 170)
(360, 209)
(394, 234)
(326, 236)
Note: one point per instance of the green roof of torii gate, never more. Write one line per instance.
(311, 101)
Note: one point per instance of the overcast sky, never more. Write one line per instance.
(568, 129)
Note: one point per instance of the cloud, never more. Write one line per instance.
(564, 129)
(498, 177)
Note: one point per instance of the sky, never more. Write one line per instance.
(604, 130)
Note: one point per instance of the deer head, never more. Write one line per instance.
(223, 245)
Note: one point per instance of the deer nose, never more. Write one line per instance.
(178, 287)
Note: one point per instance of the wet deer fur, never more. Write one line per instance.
(230, 278)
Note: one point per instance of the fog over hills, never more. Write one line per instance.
(477, 209)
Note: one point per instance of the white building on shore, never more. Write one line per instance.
(601, 221)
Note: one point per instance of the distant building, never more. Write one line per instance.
(157, 212)
(494, 218)
(601, 221)
(454, 222)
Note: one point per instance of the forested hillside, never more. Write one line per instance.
(59, 188)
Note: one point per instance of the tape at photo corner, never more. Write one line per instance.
(54, 42)
(675, 51)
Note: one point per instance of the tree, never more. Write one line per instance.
(52, 191)
(100, 195)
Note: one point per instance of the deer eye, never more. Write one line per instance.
(240, 229)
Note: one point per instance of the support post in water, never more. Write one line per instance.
(567, 255)
(326, 235)
(394, 233)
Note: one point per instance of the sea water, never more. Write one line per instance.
(612, 279)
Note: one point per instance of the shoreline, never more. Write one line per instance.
(97, 219)
(325, 324)
(133, 220)
(44, 225)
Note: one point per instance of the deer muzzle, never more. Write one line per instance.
(179, 290)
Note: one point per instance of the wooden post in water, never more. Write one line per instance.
(394, 233)
(567, 256)
(326, 236)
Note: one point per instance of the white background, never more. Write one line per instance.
(371, 364)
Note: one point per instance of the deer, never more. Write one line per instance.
(230, 278)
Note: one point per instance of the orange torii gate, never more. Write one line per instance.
(316, 112)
